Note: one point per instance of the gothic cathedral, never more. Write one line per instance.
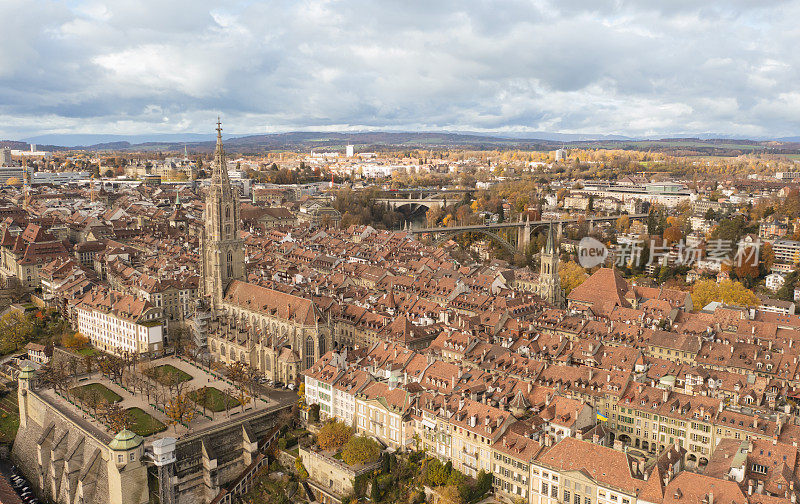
(276, 333)
(222, 249)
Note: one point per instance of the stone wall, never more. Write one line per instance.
(59, 457)
(65, 457)
(213, 458)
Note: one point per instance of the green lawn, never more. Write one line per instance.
(9, 418)
(87, 351)
(143, 423)
(214, 399)
(168, 374)
(93, 393)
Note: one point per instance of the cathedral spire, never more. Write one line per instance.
(220, 173)
(550, 246)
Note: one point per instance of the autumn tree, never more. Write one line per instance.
(180, 409)
(74, 341)
(333, 434)
(571, 275)
(672, 234)
(433, 216)
(745, 264)
(767, 256)
(623, 224)
(727, 291)
(115, 417)
(450, 494)
(360, 450)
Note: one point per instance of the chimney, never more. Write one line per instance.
(665, 396)
(749, 487)
(710, 497)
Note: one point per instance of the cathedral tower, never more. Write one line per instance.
(222, 249)
(549, 281)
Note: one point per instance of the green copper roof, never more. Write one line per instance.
(125, 440)
(27, 371)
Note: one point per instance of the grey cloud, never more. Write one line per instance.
(591, 66)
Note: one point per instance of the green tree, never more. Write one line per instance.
(16, 329)
(302, 473)
(436, 473)
(375, 492)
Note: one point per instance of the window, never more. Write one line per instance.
(566, 495)
(587, 500)
(132, 456)
(120, 458)
(544, 488)
(554, 492)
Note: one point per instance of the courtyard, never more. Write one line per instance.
(147, 395)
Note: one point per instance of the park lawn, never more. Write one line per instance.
(166, 373)
(9, 418)
(214, 399)
(87, 351)
(143, 423)
(85, 393)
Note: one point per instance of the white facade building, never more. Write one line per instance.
(775, 281)
(120, 323)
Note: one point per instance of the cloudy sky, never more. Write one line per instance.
(640, 68)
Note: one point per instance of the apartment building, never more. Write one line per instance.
(118, 323)
(475, 428)
(786, 251)
(382, 410)
(580, 472)
(654, 419)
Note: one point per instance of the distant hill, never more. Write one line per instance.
(382, 140)
(76, 139)
(321, 141)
